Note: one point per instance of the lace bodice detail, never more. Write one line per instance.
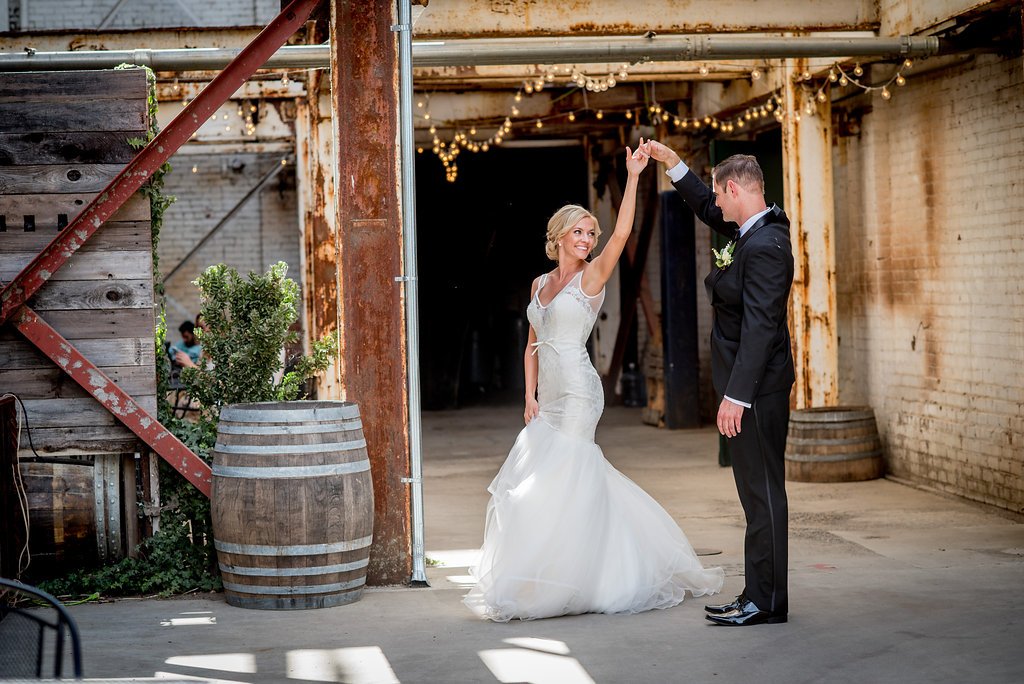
(569, 389)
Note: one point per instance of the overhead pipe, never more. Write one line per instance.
(410, 281)
(506, 51)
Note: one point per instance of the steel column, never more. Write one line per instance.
(364, 77)
(807, 161)
(407, 148)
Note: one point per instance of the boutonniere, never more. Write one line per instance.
(723, 259)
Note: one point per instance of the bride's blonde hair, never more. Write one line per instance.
(560, 224)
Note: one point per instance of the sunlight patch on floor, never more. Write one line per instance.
(455, 558)
(359, 665)
(225, 662)
(203, 617)
(526, 665)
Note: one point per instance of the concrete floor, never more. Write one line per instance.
(888, 584)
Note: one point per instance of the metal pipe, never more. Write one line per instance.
(506, 51)
(410, 280)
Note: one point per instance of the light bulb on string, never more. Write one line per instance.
(832, 75)
(822, 96)
(885, 93)
(518, 97)
(755, 74)
(900, 81)
(572, 116)
(426, 116)
(600, 114)
(515, 111)
(540, 124)
(195, 169)
(703, 70)
(858, 70)
(908, 63)
(629, 114)
(843, 81)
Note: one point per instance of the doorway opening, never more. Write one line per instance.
(481, 244)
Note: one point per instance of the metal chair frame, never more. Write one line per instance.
(60, 622)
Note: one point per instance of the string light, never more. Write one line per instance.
(658, 114)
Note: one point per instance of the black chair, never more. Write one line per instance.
(33, 625)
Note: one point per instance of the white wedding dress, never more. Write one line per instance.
(566, 533)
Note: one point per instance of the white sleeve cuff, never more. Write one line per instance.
(677, 171)
(741, 403)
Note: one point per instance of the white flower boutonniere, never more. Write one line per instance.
(723, 259)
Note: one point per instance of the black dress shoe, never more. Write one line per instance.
(726, 607)
(747, 613)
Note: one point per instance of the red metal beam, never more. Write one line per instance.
(158, 151)
(113, 398)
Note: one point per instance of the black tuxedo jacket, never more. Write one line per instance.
(750, 346)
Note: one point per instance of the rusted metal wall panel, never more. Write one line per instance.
(807, 162)
(364, 73)
(314, 142)
(472, 18)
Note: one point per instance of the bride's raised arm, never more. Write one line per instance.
(598, 271)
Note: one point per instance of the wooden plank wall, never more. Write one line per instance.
(63, 136)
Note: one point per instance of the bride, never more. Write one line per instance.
(566, 533)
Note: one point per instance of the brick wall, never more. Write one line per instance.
(264, 231)
(136, 14)
(929, 197)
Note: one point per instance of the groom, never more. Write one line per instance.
(751, 365)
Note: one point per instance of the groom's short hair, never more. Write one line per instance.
(741, 169)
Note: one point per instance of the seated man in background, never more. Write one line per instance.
(187, 352)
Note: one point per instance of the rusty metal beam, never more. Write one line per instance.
(113, 398)
(807, 163)
(154, 38)
(158, 151)
(475, 19)
(372, 363)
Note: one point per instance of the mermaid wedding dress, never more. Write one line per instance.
(566, 533)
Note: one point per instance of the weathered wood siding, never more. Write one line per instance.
(63, 136)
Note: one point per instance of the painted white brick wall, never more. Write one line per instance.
(137, 14)
(265, 231)
(930, 272)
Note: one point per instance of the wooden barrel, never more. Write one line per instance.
(292, 504)
(62, 517)
(833, 444)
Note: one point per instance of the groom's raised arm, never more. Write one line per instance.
(697, 195)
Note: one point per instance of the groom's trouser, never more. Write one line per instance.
(758, 464)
